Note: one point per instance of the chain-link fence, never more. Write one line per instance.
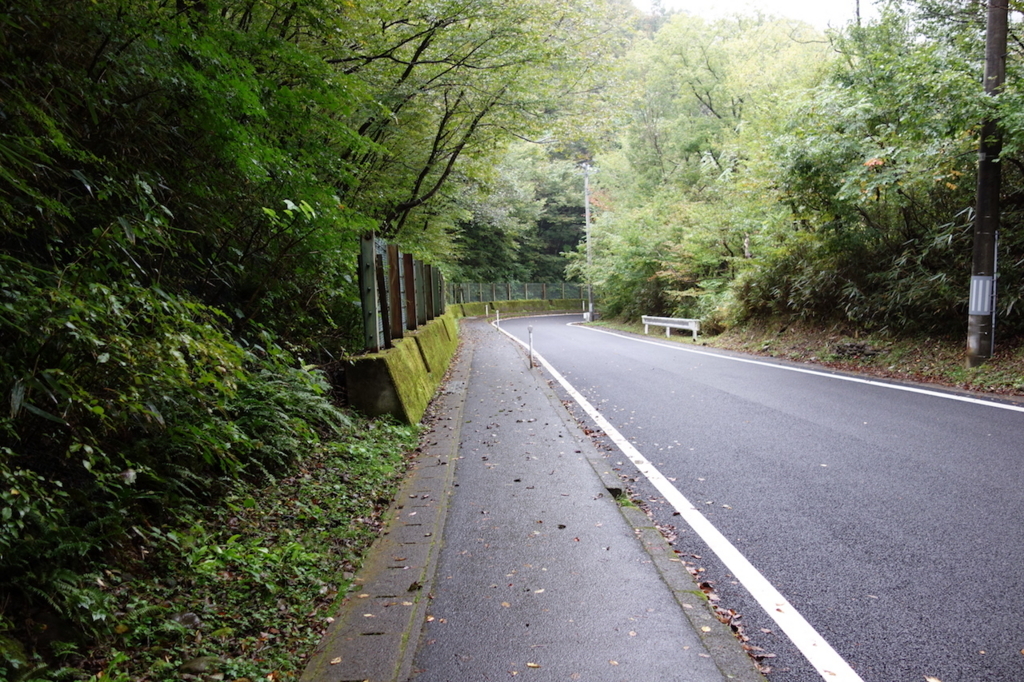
(513, 291)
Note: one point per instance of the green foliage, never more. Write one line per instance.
(521, 221)
(789, 182)
(876, 169)
(677, 210)
(255, 576)
(183, 186)
(249, 580)
(626, 262)
(165, 411)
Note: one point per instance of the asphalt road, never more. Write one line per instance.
(893, 521)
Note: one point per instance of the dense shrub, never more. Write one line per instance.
(127, 404)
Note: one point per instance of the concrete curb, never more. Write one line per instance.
(721, 644)
(375, 632)
(716, 636)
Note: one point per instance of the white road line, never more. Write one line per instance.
(829, 664)
(803, 370)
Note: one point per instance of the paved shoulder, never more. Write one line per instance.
(539, 572)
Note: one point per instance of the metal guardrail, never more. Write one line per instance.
(397, 293)
(670, 323)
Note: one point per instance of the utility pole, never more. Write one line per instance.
(981, 315)
(590, 253)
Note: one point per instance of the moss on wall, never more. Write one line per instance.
(554, 305)
(402, 380)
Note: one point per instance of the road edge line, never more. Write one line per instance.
(818, 652)
(985, 402)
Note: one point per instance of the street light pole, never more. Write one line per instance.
(590, 253)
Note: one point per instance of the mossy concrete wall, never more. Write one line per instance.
(553, 305)
(401, 380)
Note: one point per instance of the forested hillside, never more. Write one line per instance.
(765, 170)
(183, 185)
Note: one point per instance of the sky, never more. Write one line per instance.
(819, 13)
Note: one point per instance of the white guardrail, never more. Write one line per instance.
(670, 323)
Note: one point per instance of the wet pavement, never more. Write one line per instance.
(508, 555)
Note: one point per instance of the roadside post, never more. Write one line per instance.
(530, 331)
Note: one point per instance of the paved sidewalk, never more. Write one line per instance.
(519, 563)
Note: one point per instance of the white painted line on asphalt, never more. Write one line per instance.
(829, 664)
(804, 370)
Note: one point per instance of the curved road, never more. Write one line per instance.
(892, 520)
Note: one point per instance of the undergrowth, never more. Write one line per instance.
(237, 590)
(169, 490)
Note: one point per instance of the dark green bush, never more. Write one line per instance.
(126, 403)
